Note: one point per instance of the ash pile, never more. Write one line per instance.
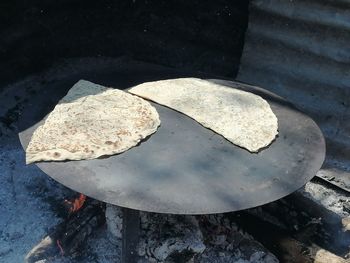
(91, 231)
(185, 238)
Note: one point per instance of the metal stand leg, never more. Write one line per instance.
(130, 235)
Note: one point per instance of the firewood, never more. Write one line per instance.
(67, 237)
(282, 244)
(308, 222)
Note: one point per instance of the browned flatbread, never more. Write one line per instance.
(92, 121)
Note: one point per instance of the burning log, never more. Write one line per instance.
(76, 204)
(68, 237)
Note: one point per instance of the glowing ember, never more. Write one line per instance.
(76, 204)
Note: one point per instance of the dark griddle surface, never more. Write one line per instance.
(185, 168)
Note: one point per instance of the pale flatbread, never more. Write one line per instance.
(92, 121)
(241, 117)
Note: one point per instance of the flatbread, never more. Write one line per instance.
(92, 121)
(243, 118)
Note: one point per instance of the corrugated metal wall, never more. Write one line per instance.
(301, 51)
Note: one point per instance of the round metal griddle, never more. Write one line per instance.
(185, 168)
